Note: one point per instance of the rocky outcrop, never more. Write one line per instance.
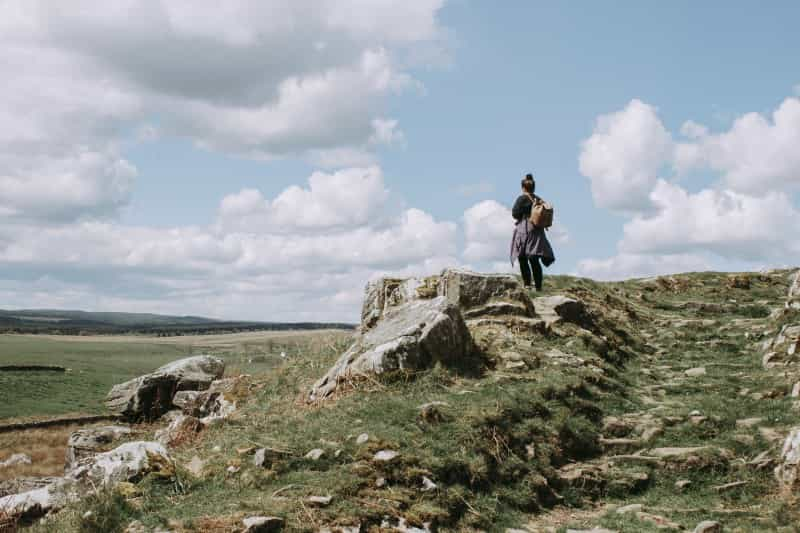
(793, 301)
(90, 441)
(150, 396)
(214, 404)
(128, 462)
(410, 324)
(788, 470)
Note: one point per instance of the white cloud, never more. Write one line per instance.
(756, 155)
(623, 156)
(488, 227)
(260, 79)
(727, 223)
(749, 217)
(271, 259)
(355, 196)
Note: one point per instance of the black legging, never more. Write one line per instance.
(536, 266)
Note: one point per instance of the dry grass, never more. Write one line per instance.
(46, 448)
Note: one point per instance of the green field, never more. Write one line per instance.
(93, 368)
(97, 363)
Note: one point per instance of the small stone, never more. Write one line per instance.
(632, 508)
(262, 524)
(380, 482)
(195, 466)
(216, 449)
(362, 439)
(233, 469)
(695, 413)
(87, 515)
(796, 390)
(696, 372)
(530, 450)
(682, 484)
(319, 501)
(315, 454)
(748, 422)
(729, 486)
(428, 485)
(384, 456)
(15, 460)
(708, 526)
(659, 521)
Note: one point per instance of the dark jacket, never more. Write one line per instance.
(522, 207)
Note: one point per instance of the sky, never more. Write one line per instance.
(264, 159)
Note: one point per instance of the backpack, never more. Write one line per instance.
(541, 212)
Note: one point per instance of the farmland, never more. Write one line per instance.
(95, 363)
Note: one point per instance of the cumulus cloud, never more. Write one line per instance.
(623, 156)
(747, 216)
(756, 155)
(280, 78)
(272, 259)
(724, 222)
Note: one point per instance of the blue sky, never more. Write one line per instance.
(157, 154)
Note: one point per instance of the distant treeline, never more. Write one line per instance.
(82, 323)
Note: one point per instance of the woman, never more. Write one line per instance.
(529, 244)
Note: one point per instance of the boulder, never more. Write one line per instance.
(89, 441)
(708, 526)
(150, 396)
(788, 470)
(410, 336)
(128, 462)
(553, 309)
(262, 524)
(181, 427)
(15, 460)
(793, 301)
(214, 404)
(37, 502)
(410, 324)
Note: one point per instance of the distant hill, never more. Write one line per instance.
(69, 322)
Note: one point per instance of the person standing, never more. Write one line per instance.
(529, 244)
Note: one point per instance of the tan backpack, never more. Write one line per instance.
(541, 212)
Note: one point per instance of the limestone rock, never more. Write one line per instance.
(180, 427)
(413, 323)
(793, 301)
(86, 442)
(150, 396)
(127, 462)
(556, 308)
(695, 372)
(16, 459)
(385, 456)
(315, 454)
(659, 521)
(788, 470)
(632, 508)
(24, 484)
(262, 524)
(708, 526)
(410, 336)
(214, 404)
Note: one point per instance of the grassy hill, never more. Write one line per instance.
(662, 403)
